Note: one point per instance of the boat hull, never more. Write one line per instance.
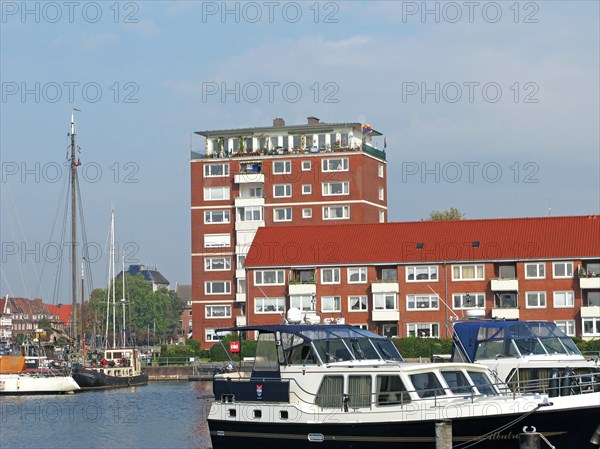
(89, 379)
(12, 384)
(574, 432)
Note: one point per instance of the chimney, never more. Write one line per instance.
(278, 122)
(313, 120)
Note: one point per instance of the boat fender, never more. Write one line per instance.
(565, 388)
(553, 383)
(345, 399)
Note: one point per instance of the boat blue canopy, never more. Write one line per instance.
(310, 331)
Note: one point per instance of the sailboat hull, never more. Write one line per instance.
(31, 384)
(92, 379)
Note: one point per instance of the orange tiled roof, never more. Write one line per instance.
(499, 239)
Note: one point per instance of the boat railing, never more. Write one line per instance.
(557, 385)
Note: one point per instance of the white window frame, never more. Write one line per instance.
(537, 266)
(328, 186)
(287, 212)
(241, 285)
(362, 275)
(326, 166)
(209, 314)
(307, 212)
(381, 193)
(567, 266)
(243, 211)
(225, 170)
(381, 216)
(378, 297)
(286, 169)
(287, 190)
(225, 213)
(431, 270)
(569, 294)
(306, 189)
(461, 278)
(414, 328)
(226, 240)
(567, 326)
(279, 277)
(595, 325)
(430, 302)
(306, 165)
(327, 213)
(302, 302)
(478, 298)
(210, 332)
(363, 303)
(541, 300)
(380, 170)
(209, 193)
(208, 288)
(335, 306)
(335, 276)
(279, 304)
(210, 261)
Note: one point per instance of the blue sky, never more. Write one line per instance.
(491, 107)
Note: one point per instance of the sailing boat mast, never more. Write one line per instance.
(112, 262)
(73, 229)
(123, 303)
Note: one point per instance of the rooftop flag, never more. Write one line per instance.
(366, 128)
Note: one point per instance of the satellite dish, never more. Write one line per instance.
(294, 316)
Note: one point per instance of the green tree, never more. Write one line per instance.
(449, 214)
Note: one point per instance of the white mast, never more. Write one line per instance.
(123, 301)
(112, 261)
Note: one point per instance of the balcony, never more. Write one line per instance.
(240, 297)
(506, 314)
(589, 283)
(385, 287)
(385, 315)
(248, 225)
(302, 289)
(249, 178)
(590, 311)
(240, 320)
(505, 285)
(243, 201)
(240, 273)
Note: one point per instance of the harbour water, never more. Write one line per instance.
(158, 415)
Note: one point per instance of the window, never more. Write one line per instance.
(421, 274)
(304, 276)
(390, 330)
(564, 299)
(357, 275)
(505, 301)
(216, 193)
(357, 303)
(592, 268)
(331, 304)
(217, 240)
(217, 287)
(536, 300)
(282, 214)
(307, 213)
(391, 391)
(306, 189)
(217, 311)
(252, 192)
(241, 258)
(269, 305)
(381, 216)
(427, 330)
(590, 326)
(217, 263)
(387, 274)
(380, 170)
(241, 286)
(213, 170)
(467, 273)
(302, 302)
(422, 302)
(468, 301)
(336, 212)
(381, 193)
(282, 190)
(427, 385)
(250, 213)
(384, 301)
(330, 276)
(282, 167)
(330, 392)
(593, 298)
(269, 277)
(216, 216)
(336, 188)
(209, 335)
(306, 165)
(562, 269)
(359, 391)
(535, 271)
(337, 164)
(567, 326)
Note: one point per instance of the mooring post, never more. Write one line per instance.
(443, 434)
(530, 440)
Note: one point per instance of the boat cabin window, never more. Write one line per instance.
(332, 351)
(530, 346)
(388, 350)
(359, 391)
(457, 382)
(427, 385)
(391, 391)
(302, 355)
(331, 392)
(266, 358)
(482, 383)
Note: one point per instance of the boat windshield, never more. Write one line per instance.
(343, 349)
